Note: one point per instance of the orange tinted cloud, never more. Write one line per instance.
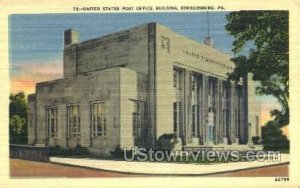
(266, 107)
(285, 130)
(24, 76)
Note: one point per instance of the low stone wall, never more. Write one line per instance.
(34, 153)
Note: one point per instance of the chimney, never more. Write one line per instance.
(71, 37)
(208, 41)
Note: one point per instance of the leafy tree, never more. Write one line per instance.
(267, 32)
(17, 130)
(273, 137)
(18, 105)
(18, 118)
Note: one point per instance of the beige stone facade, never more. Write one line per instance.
(129, 88)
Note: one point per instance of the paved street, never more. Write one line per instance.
(271, 171)
(23, 168)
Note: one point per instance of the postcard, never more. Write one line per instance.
(139, 94)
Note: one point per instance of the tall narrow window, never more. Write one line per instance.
(194, 120)
(225, 126)
(240, 114)
(194, 83)
(52, 122)
(73, 120)
(98, 119)
(210, 92)
(195, 103)
(235, 128)
(179, 100)
(137, 118)
(175, 116)
(226, 108)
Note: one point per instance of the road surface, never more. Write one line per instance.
(24, 168)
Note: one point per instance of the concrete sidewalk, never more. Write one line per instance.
(162, 168)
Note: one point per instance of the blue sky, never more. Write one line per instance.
(39, 37)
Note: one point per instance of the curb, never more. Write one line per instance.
(169, 174)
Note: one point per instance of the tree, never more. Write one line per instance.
(18, 118)
(273, 137)
(18, 105)
(267, 60)
(17, 130)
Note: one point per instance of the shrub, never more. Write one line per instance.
(256, 140)
(118, 153)
(56, 150)
(77, 151)
(166, 142)
(273, 137)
